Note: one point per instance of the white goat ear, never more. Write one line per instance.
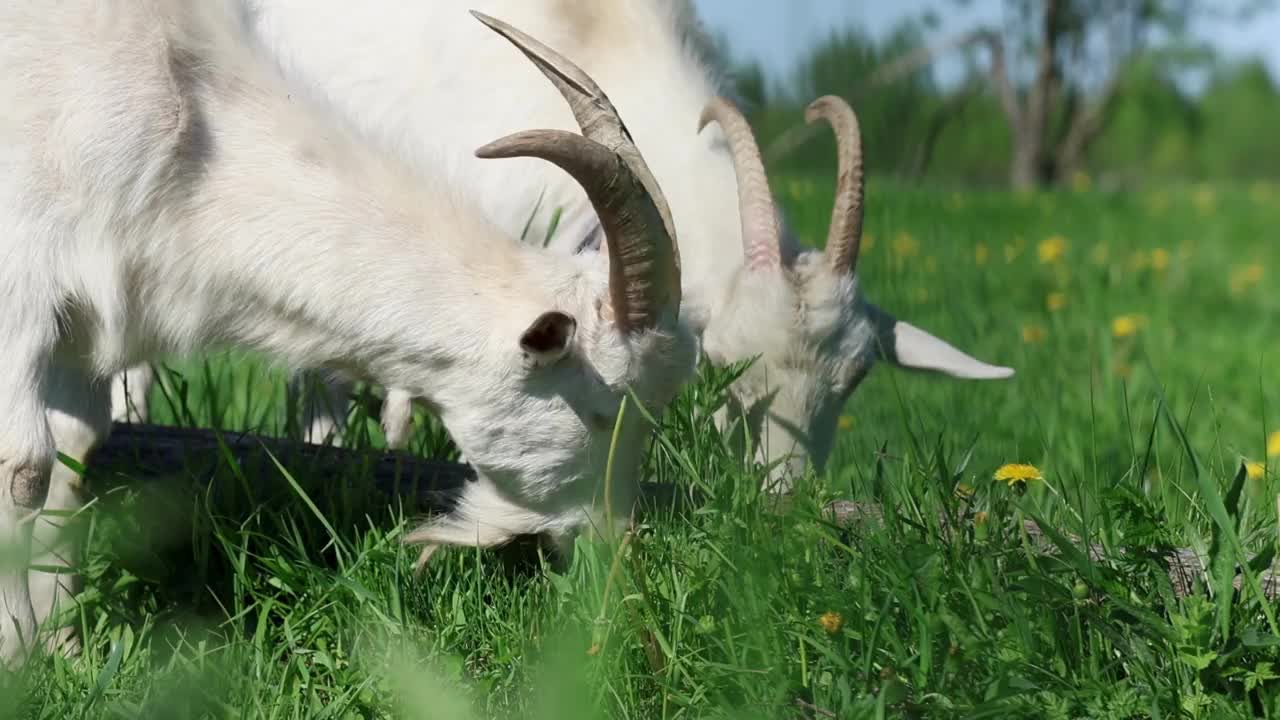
(907, 346)
(549, 337)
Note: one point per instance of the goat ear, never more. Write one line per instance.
(907, 346)
(549, 337)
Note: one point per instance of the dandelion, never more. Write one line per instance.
(1080, 181)
(831, 621)
(1255, 470)
(1100, 254)
(1205, 200)
(1124, 326)
(845, 422)
(1055, 301)
(1245, 277)
(980, 254)
(1052, 249)
(1017, 474)
(1273, 444)
(904, 245)
(1033, 334)
(1159, 259)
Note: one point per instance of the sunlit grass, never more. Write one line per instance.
(1144, 341)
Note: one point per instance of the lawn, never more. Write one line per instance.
(1144, 331)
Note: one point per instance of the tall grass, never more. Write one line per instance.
(1142, 327)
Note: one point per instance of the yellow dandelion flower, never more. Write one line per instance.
(1052, 249)
(1033, 334)
(845, 422)
(1273, 444)
(1124, 326)
(980, 254)
(964, 491)
(1205, 200)
(831, 621)
(1260, 193)
(1080, 181)
(1017, 474)
(1159, 259)
(1100, 254)
(904, 245)
(1246, 276)
(1055, 301)
(1255, 470)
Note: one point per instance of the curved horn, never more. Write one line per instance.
(845, 235)
(644, 258)
(760, 232)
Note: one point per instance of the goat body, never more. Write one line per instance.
(163, 191)
(421, 82)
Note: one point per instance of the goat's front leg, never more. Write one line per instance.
(26, 456)
(80, 410)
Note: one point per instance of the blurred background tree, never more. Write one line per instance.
(1114, 90)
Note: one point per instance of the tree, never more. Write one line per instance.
(1056, 67)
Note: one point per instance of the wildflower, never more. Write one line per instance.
(1205, 200)
(1127, 325)
(831, 621)
(1159, 259)
(1100, 254)
(904, 245)
(1246, 276)
(1254, 470)
(980, 254)
(845, 422)
(1080, 181)
(964, 491)
(1055, 301)
(1017, 474)
(1052, 249)
(1273, 444)
(1033, 334)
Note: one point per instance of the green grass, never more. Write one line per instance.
(253, 601)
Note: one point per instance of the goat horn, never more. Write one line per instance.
(760, 232)
(644, 257)
(845, 235)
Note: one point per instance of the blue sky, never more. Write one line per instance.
(776, 31)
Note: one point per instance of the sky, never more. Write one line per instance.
(776, 31)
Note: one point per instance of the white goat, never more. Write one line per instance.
(420, 80)
(423, 82)
(162, 192)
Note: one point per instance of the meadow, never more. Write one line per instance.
(1143, 326)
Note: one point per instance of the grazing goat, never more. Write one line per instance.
(419, 80)
(162, 191)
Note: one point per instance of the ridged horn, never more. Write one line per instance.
(644, 258)
(761, 235)
(844, 238)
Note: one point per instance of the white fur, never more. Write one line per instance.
(428, 83)
(162, 191)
